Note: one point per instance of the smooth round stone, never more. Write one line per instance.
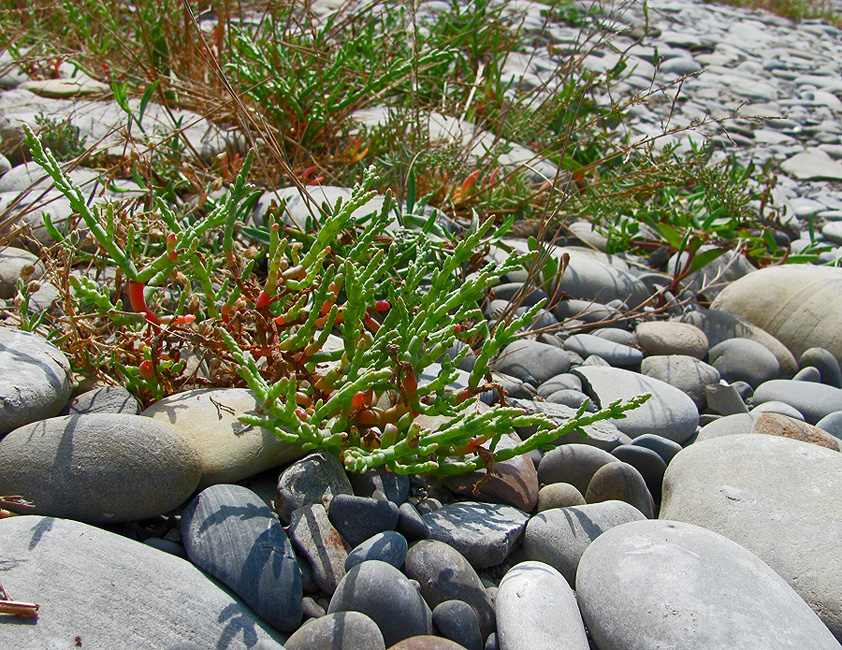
(832, 423)
(719, 326)
(665, 448)
(681, 586)
(680, 66)
(443, 574)
(531, 361)
(777, 407)
(570, 398)
(650, 465)
(320, 543)
(559, 495)
(316, 478)
(35, 383)
(587, 311)
(108, 399)
(778, 498)
(383, 593)
(527, 296)
(799, 304)
(825, 362)
(589, 276)
(99, 468)
(485, 533)
(358, 518)
(615, 354)
(727, 426)
(528, 593)
(621, 482)
(230, 533)
(12, 262)
(670, 337)
(715, 275)
(669, 412)
(813, 401)
(808, 373)
(387, 546)
(617, 335)
(574, 464)
(426, 642)
(105, 588)
(744, 360)
(394, 486)
(340, 631)
(230, 450)
(457, 621)
(560, 536)
(688, 374)
(564, 381)
(410, 523)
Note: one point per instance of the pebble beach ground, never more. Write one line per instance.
(708, 518)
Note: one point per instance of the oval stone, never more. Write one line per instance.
(340, 631)
(621, 482)
(99, 468)
(667, 584)
(537, 610)
(670, 337)
(777, 497)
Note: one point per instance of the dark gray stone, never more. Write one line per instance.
(646, 579)
(445, 574)
(383, 593)
(101, 586)
(826, 364)
(832, 423)
(485, 533)
(358, 518)
(646, 461)
(665, 448)
(456, 620)
(410, 523)
(388, 546)
(99, 468)
(340, 631)
(230, 533)
(394, 486)
(622, 482)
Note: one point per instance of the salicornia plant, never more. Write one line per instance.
(398, 302)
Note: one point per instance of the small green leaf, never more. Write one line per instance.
(706, 257)
(672, 236)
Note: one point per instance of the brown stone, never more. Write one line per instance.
(777, 424)
(426, 642)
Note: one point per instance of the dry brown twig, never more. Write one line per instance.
(16, 608)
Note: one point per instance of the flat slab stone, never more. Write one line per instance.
(669, 413)
(777, 497)
(485, 533)
(812, 165)
(680, 586)
(105, 588)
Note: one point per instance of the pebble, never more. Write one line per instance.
(316, 478)
(410, 523)
(395, 487)
(528, 593)
(358, 518)
(13, 261)
(456, 620)
(230, 533)
(118, 467)
(672, 338)
(621, 482)
(615, 354)
(35, 383)
(531, 361)
(824, 361)
(724, 399)
(389, 546)
(646, 461)
(229, 450)
(574, 464)
(340, 631)
(118, 586)
(108, 399)
(383, 593)
(669, 412)
(744, 360)
(813, 401)
(771, 503)
(559, 536)
(559, 495)
(688, 374)
(646, 579)
(485, 533)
